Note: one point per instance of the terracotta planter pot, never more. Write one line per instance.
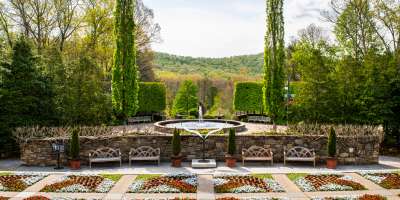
(331, 163)
(230, 161)
(75, 164)
(176, 161)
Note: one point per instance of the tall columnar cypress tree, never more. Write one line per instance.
(274, 59)
(125, 84)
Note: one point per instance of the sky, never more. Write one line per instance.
(221, 28)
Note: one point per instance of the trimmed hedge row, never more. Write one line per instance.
(152, 97)
(248, 96)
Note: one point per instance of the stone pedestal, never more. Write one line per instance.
(199, 163)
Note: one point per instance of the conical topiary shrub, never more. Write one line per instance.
(232, 142)
(176, 143)
(332, 143)
(230, 160)
(176, 157)
(331, 161)
(74, 149)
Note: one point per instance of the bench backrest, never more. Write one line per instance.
(256, 151)
(105, 152)
(144, 151)
(299, 152)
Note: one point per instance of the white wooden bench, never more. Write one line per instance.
(139, 119)
(257, 153)
(261, 119)
(144, 153)
(105, 154)
(299, 154)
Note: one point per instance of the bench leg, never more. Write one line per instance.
(314, 163)
(158, 162)
(130, 162)
(243, 162)
(272, 162)
(284, 161)
(120, 163)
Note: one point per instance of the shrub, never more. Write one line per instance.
(74, 145)
(332, 143)
(176, 143)
(152, 97)
(231, 142)
(186, 99)
(248, 96)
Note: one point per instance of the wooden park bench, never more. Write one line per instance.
(261, 119)
(105, 154)
(257, 153)
(139, 119)
(299, 154)
(144, 153)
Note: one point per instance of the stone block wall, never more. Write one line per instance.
(351, 150)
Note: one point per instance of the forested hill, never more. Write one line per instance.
(250, 64)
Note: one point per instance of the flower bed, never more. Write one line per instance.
(325, 182)
(46, 198)
(259, 198)
(83, 184)
(169, 183)
(385, 180)
(363, 197)
(18, 182)
(4, 198)
(246, 184)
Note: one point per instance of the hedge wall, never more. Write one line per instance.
(248, 96)
(152, 97)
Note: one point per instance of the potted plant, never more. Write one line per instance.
(331, 161)
(176, 157)
(230, 159)
(74, 162)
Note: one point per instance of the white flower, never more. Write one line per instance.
(305, 185)
(162, 189)
(30, 180)
(347, 178)
(274, 185)
(219, 181)
(75, 188)
(3, 188)
(247, 189)
(136, 186)
(334, 187)
(191, 181)
(375, 178)
(105, 186)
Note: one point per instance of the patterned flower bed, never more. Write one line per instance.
(385, 180)
(169, 183)
(4, 198)
(260, 183)
(83, 184)
(18, 182)
(363, 197)
(325, 182)
(46, 198)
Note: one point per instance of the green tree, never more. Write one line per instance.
(26, 94)
(274, 59)
(125, 76)
(186, 99)
(88, 103)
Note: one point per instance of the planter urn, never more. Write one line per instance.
(230, 161)
(176, 161)
(331, 163)
(75, 164)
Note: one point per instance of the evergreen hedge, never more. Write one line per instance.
(74, 145)
(248, 97)
(232, 142)
(176, 143)
(152, 97)
(332, 143)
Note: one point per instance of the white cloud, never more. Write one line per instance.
(218, 28)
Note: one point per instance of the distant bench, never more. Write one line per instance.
(261, 119)
(140, 119)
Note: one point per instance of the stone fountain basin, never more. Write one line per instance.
(168, 126)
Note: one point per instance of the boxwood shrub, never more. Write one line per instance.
(248, 97)
(152, 97)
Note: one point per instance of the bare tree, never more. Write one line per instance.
(67, 19)
(5, 25)
(313, 34)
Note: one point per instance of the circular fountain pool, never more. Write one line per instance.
(207, 124)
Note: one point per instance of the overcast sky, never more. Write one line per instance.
(219, 28)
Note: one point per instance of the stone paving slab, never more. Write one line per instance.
(346, 193)
(205, 188)
(121, 187)
(286, 183)
(8, 194)
(254, 195)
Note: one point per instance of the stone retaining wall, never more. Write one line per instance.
(351, 150)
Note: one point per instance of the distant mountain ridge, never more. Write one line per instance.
(250, 64)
